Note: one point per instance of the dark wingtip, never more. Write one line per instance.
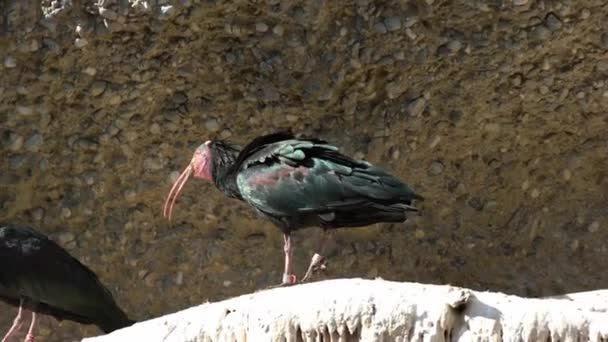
(283, 134)
(115, 323)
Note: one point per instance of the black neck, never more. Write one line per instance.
(224, 157)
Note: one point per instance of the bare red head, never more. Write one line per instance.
(200, 167)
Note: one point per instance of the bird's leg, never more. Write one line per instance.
(288, 277)
(30, 333)
(16, 323)
(316, 262)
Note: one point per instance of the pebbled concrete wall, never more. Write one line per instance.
(495, 111)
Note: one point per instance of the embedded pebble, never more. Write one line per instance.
(436, 168)
(540, 32)
(152, 164)
(179, 278)
(392, 23)
(15, 142)
(90, 71)
(602, 65)
(155, 128)
(553, 23)
(65, 237)
(130, 195)
(34, 143)
(10, 62)
(151, 279)
(173, 176)
(395, 154)
(225, 134)
(115, 99)
(66, 212)
(90, 178)
(516, 80)
(25, 110)
(17, 161)
(180, 98)
(278, 30)
(535, 193)
(37, 214)
(475, 203)
(21, 90)
(417, 106)
(97, 88)
(212, 125)
(434, 141)
(81, 42)
(43, 165)
(604, 40)
(261, 26)
(454, 45)
(380, 28)
(112, 130)
(593, 227)
(167, 11)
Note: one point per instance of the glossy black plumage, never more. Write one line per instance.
(306, 182)
(48, 280)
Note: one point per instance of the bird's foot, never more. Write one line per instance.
(288, 280)
(29, 338)
(316, 264)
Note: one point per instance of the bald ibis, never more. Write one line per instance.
(37, 275)
(299, 183)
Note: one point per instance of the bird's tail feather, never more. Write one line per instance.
(371, 214)
(111, 323)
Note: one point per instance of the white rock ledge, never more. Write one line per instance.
(378, 310)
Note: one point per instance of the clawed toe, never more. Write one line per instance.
(288, 280)
(316, 264)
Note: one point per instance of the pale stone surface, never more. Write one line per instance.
(378, 310)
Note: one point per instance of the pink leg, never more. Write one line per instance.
(288, 277)
(30, 333)
(16, 323)
(316, 263)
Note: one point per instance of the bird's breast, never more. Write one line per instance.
(264, 186)
(271, 177)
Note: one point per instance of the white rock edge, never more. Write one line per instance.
(379, 310)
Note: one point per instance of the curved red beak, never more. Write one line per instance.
(175, 191)
(198, 167)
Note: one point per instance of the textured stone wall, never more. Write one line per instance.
(495, 111)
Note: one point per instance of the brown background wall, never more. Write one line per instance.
(495, 111)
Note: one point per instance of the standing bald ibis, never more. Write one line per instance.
(298, 183)
(37, 275)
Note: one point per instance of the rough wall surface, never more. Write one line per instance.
(493, 110)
